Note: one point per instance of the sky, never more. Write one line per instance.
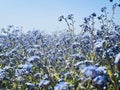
(43, 14)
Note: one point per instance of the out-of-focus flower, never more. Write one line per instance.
(103, 9)
(44, 83)
(61, 18)
(7, 67)
(93, 71)
(99, 17)
(79, 57)
(114, 6)
(70, 16)
(61, 86)
(10, 26)
(19, 72)
(37, 75)
(86, 20)
(83, 64)
(100, 33)
(11, 51)
(90, 71)
(111, 0)
(94, 14)
(75, 45)
(2, 74)
(98, 44)
(20, 79)
(117, 59)
(27, 66)
(101, 70)
(118, 5)
(30, 86)
(100, 81)
(68, 75)
(33, 58)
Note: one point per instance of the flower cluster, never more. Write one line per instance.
(36, 60)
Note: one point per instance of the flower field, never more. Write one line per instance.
(89, 60)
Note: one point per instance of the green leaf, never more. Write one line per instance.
(111, 75)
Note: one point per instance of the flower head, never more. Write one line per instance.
(70, 16)
(117, 59)
(111, 0)
(103, 9)
(90, 71)
(94, 14)
(60, 18)
(100, 81)
(61, 86)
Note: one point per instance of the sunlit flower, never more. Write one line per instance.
(61, 86)
(44, 83)
(100, 81)
(117, 59)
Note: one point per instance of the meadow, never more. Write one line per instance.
(89, 60)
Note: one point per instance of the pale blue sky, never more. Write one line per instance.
(43, 14)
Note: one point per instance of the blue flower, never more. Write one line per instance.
(33, 58)
(19, 72)
(111, 0)
(94, 14)
(90, 71)
(60, 18)
(44, 83)
(118, 5)
(99, 17)
(86, 20)
(101, 70)
(100, 81)
(94, 71)
(103, 9)
(2, 74)
(61, 86)
(117, 59)
(27, 66)
(70, 16)
(30, 86)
